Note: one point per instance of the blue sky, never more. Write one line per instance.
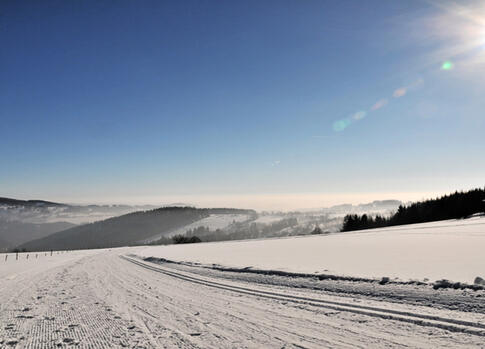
(270, 104)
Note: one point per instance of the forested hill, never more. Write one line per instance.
(124, 230)
(13, 233)
(27, 203)
(453, 206)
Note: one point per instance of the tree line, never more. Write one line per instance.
(453, 206)
(235, 231)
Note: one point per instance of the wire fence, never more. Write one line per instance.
(16, 256)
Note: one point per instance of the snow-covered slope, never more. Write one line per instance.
(213, 222)
(450, 249)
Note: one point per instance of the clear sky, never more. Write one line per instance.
(265, 104)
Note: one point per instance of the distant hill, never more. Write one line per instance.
(4, 245)
(374, 206)
(16, 202)
(13, 233)
(125, 230)
(25, 220)
(40, 211)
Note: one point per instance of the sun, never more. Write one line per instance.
(458, 30)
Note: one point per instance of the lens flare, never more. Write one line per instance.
(340, 125)
(379, 104)
(447, 65)
(399, 92)
(359, 115)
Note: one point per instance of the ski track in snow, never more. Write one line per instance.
(95, 299)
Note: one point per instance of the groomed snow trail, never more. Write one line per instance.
(95, 299)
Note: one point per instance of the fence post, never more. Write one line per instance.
(16, 256)
(27, 256)
(6, 257)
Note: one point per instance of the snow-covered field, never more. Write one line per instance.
(108, 299)
(452, 250)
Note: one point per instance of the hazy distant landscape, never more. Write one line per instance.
(25, 220)
(42, 225)
(45, 226)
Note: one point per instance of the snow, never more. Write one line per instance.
(216, 221)
(267, 219)
(95, 299)
(213, 222)
(450, 250)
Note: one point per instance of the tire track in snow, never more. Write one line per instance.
(449, 324)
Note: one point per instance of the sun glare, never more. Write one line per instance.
(460, 30)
